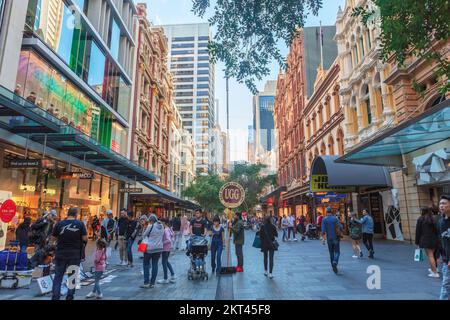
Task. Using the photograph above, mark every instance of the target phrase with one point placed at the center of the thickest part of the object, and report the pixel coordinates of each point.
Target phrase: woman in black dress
(268, 233)
(427, 238)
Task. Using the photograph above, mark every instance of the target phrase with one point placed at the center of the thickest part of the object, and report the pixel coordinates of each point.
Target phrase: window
(361, 44)
(184, 73)
(202, 71)
(184, 86)
(180, 52)
(202, 93)
(203, 38)
(185, 109)
(114, 39)
(367, 103)
(202, 79)
(182, 45)
(203, 65)
(184, 80)
(177, 101)
(188, 124)
(182, 66)
(203, 86)
(203, 58)
(203, 45)
(2, 9)
(180, 39)
(81, 4)
(183, 94)
(203, 52)
(182, 59)
(96, 68)
(202, 108)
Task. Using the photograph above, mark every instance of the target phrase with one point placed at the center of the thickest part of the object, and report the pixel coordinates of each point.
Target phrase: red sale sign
(7, 210)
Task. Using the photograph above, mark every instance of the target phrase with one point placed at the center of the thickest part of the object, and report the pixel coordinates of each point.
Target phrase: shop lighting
(27, 187)
(50, 191)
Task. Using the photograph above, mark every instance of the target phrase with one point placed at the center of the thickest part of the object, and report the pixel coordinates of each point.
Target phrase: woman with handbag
(268, 233)
(427, 238)
(153, 241)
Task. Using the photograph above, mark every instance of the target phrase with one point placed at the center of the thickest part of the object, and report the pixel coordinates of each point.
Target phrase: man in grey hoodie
(153, 235)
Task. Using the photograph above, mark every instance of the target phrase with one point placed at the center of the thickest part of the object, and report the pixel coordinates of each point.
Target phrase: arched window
(340, 141)
(323, 149)
(141, 157)
(331, 146)
(366, 104)
(328, 109)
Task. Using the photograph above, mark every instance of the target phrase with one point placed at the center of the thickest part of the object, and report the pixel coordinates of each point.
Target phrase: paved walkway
(302, 271)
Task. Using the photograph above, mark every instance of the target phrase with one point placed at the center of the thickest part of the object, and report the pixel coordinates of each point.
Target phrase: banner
(392, 216)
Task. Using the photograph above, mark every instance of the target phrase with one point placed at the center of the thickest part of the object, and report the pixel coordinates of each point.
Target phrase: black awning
(349, 175)
(299, 191)
(164, 193)
(275, 192)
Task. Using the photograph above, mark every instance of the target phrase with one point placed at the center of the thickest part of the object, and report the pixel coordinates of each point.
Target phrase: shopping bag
(142, 247)
(257, 241)
(418, 255)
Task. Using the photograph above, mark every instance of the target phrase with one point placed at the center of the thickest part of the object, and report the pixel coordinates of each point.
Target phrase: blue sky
(179, 11)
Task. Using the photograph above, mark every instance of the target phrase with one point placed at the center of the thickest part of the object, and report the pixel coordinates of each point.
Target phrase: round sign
(7, 210)
(232, 195)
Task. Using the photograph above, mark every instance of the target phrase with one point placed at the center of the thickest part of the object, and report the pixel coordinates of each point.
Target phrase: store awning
(20, 116)
(275, 192)
(302, 190)
(325, 172)
(387, 149)
(170, 196)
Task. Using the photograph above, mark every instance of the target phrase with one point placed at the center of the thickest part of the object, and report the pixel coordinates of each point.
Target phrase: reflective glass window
(114, 40)
(2, 8)
(96, 68)
(177, 39)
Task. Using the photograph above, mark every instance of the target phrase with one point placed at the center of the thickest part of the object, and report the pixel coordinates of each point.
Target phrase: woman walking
(268, 233)
(217, 244)
(355, 230)
(427, 238)
(184, 231)
(100, 258)
(154, 236)
(168, 240)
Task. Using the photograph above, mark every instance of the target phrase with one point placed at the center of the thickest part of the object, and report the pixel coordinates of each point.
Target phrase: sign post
(231, 195)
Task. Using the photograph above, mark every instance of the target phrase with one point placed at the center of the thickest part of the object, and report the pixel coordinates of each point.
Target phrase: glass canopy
(431, 127)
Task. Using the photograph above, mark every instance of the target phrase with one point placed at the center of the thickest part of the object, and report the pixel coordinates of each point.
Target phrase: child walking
(100, 266)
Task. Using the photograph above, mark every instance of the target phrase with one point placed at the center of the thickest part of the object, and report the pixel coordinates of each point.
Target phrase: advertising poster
(4, 195)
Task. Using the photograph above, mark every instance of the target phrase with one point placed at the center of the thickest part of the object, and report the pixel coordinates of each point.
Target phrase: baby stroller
(197, 251)
(312, 232)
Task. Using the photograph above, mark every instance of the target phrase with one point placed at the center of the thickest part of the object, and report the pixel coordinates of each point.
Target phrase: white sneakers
(354, 256)
(91, 295)
(163, 281)
(123, 263)
(173, 279)
(433, 274)
(270, 276)
(265, 273)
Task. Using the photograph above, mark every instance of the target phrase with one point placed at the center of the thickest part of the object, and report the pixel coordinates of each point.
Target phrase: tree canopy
(248, 32)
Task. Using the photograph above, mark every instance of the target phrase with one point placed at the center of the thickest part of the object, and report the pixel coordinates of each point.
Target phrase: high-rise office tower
(194, 85)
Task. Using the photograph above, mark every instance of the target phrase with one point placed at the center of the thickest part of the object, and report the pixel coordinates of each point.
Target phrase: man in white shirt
(291, 227)
(284, 227)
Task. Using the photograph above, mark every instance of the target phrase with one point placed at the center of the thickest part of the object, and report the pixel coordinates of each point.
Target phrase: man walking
(122, 229)
(176, 228)
(238, 239)
(130, 235)
(367, 229)
(71, 238)
(107, 227)
(291, 227)
(331, 232)
(284, 227)
(444, 232)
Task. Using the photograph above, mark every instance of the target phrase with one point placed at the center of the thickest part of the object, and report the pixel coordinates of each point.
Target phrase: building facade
(176, 131)
(71, 63)
(188, 172)
(194, 85)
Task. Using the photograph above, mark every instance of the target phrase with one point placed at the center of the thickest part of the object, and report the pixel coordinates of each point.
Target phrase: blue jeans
(129, 250)
(216, 255)
(239, 255)
(334, 249)
(154, 257)
(284, 234)
(23, 248)
(166, 264)
(61, 266)
(445, 289)
(98, 276)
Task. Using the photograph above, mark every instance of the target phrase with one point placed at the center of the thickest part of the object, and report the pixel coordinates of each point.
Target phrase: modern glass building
(194, 85)
(65, 99)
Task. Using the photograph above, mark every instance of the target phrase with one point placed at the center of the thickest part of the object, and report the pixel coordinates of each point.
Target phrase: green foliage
(248, 32)
(411, 27)
(205, 190)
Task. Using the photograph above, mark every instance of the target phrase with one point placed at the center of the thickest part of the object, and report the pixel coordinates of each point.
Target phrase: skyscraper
(194, 85)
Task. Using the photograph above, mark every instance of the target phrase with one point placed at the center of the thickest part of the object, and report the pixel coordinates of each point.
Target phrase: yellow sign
(319, 183)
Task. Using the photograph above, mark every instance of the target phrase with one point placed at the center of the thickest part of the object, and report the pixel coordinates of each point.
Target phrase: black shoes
(371, 255)
(335, 269)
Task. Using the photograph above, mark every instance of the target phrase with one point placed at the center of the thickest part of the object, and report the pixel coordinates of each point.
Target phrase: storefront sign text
(27, 187)
(23, 163)
(319, 183)
(232, 195)
(76, 175)
(131, 190)
(7, 210)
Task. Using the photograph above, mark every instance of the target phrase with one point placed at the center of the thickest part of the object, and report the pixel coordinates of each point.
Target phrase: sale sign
(7, 210)
(232, 195)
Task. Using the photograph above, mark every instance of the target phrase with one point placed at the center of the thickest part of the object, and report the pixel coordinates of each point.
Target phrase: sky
(179, 12)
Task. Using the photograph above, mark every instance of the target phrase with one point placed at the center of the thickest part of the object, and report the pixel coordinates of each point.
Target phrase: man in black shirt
(130, 236)
(198, 225)
(122, 228)
(71, 238)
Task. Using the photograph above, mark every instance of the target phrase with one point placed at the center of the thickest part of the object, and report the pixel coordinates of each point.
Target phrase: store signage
(7, 210)
(27, 187)
(232, 195)
(319, 183)
(18, 163)
(51, 192)
(131, 190)
(76, 175)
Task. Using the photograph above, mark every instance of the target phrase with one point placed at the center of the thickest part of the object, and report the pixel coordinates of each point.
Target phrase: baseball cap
(143, 217)
(153, 217)
(108, 212)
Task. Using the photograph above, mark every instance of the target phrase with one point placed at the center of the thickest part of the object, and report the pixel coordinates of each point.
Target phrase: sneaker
(270, 276)
(295, 239)
(360, 254)
(335, 269)
(354, 256)
(163, 281)
(434, 275)
(90, 295)
(173, 279)
(124, 264)
(265, 273)
(147, 286)
(100, 296)
(130, 265)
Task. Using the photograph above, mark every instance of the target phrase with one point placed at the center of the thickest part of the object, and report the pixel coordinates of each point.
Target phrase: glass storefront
(39, 189)
(2, 8)
(68, 36)
(43, 85)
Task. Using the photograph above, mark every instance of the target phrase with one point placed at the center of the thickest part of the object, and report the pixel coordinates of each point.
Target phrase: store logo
(374, 280)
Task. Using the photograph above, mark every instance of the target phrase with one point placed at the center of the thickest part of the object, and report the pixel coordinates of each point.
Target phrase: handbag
(257, 241)
(418, 255)
(143, 246)
(274, 243)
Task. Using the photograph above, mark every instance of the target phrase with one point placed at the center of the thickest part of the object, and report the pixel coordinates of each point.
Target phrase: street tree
(412, 28)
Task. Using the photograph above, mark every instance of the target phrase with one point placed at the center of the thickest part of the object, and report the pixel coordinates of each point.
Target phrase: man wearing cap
(331, 232)
(107, 226)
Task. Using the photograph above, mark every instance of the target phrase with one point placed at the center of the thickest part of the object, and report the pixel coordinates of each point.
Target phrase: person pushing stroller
(198, 231)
